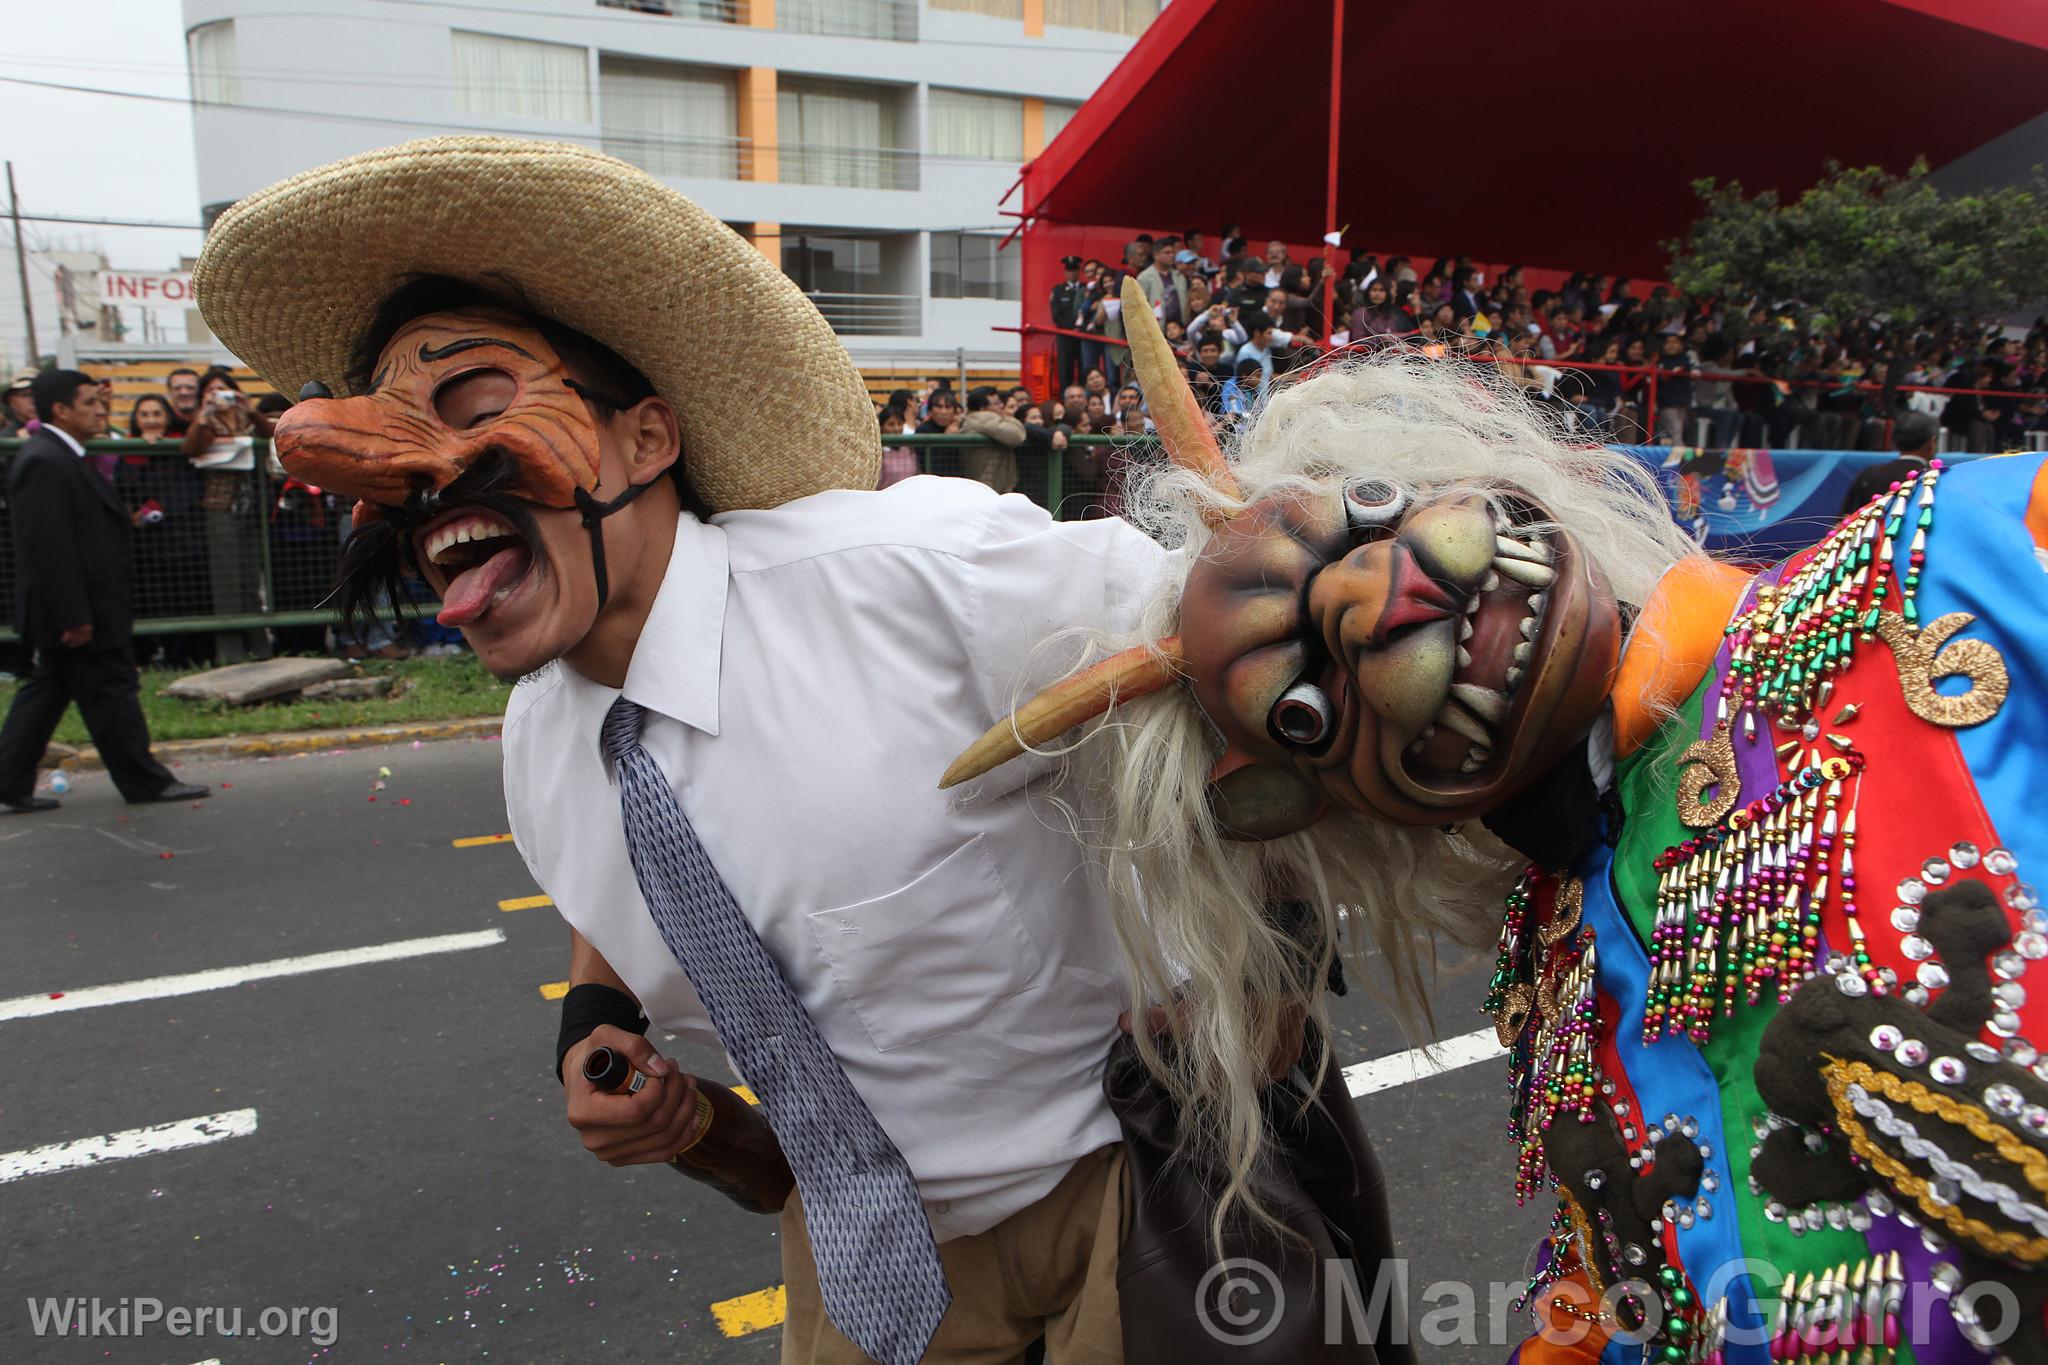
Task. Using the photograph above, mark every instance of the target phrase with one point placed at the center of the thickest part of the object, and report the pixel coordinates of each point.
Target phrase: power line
(649, 139)
(111, 222)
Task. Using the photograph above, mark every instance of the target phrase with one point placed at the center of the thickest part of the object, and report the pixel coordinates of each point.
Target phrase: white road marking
(132, 1142)
(1384, 1073)
(219, 978)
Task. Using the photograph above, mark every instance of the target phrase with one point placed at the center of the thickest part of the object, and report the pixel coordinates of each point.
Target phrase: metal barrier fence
(229, 561)
(228, 557)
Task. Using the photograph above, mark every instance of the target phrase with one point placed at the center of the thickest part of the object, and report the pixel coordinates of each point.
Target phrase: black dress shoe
(177, 791)
(29, 805)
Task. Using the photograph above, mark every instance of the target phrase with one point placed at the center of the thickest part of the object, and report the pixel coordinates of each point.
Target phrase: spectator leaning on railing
(993, 461)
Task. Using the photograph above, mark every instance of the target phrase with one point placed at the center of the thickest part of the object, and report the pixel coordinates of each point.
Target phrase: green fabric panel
(1648, 783)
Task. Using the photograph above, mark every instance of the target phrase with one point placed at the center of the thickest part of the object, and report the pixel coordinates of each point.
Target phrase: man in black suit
(71, 605)
(1069, 310)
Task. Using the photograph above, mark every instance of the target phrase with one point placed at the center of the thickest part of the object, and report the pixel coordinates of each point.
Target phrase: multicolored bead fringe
(1739, 906)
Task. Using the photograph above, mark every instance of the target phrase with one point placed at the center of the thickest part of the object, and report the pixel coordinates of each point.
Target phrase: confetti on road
(527, 903)
(554, 990)
(479, 840)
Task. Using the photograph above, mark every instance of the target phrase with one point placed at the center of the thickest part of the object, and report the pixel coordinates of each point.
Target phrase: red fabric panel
(1591, 190)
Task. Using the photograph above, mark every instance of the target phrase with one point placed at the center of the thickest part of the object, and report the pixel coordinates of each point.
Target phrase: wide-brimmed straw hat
(771, 406)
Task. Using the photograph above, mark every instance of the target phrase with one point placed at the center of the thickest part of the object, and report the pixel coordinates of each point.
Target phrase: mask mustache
(481, 486)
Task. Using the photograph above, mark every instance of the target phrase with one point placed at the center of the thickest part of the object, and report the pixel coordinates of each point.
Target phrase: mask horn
(1183, 427)
(1136, 672)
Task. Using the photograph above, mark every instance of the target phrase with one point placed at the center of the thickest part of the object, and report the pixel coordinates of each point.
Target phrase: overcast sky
(93, 156)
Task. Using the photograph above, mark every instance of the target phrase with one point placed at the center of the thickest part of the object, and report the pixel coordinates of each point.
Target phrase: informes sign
(145, 289)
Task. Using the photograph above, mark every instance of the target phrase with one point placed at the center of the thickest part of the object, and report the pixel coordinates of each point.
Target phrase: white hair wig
(1189, 903)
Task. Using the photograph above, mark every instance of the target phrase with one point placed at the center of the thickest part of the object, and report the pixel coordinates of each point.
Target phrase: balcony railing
(670, 154)
(872, 168)
(870, 315)
(889, 20)
(704, 11)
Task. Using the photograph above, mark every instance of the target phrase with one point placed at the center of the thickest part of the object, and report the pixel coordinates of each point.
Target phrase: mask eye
(1374, 505)
(1303, 716)
(474, 396)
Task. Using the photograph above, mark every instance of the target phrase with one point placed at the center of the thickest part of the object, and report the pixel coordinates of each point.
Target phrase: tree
(1864, 243)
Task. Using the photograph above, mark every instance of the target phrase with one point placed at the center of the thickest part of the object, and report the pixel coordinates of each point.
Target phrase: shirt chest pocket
(933, 957)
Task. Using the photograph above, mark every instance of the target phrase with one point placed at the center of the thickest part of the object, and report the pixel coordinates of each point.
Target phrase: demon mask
(1418, 655)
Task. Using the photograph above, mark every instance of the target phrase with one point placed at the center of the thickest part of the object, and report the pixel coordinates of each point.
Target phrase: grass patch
(452, 688)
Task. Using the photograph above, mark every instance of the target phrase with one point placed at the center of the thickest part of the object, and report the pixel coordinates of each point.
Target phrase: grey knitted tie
(878, 1267)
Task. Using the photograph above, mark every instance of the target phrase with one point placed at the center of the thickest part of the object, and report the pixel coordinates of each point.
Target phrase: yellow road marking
(526, 903)
(750, 1313)
(554, 990)
(749, 1096)
(478, 840)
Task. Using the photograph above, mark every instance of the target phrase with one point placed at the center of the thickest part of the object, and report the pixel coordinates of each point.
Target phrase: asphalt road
(384, 1139)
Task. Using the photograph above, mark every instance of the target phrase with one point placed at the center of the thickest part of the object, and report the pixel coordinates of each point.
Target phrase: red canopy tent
(1563, 136)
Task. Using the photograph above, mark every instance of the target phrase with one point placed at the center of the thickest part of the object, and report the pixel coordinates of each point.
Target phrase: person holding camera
(72, 607)
(222, 445)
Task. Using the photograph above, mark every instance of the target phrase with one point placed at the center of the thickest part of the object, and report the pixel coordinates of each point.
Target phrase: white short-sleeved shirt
(808, 673)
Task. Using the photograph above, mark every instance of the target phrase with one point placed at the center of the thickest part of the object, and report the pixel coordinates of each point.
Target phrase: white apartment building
(865, 144)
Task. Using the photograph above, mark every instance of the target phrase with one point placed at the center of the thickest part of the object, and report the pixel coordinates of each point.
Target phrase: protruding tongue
(469, 595)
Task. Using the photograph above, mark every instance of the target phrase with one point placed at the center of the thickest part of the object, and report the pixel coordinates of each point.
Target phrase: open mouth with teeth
(477, 560)
(1500, 629)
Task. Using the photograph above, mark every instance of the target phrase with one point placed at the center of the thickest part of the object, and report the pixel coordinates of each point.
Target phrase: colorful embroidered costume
(1782, 1021)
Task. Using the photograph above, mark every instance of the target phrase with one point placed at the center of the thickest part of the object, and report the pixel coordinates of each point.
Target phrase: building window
(705, 11)
(975, 265)
(215, 77)
(842, 133)
(985, 127)
(669, 118)
(846, 277)
(1058, 114)
(1132, 17)
(892, 20)
(520, 78)
(995, 9)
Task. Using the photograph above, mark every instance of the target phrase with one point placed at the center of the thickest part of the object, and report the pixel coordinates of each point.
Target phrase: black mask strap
(594, 513)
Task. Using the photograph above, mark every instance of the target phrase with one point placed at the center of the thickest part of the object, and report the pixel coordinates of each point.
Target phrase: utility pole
(28, 312)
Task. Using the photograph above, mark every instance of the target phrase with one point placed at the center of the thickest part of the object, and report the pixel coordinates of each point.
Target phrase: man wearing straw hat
(563, 394)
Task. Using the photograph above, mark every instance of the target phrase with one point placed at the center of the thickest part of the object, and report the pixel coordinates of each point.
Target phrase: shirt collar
(675, 666)
(66, 437)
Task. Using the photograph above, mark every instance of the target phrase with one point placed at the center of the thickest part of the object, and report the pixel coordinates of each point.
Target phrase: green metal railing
(285, 540)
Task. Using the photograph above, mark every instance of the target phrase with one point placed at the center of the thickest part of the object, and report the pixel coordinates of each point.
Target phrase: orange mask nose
(364, 447)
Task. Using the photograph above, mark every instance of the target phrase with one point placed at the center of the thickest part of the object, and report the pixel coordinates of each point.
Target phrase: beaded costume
(1781, 1010)
(1765, 983)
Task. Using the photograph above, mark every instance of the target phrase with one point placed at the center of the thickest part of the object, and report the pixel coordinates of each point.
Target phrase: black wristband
(587, 1008)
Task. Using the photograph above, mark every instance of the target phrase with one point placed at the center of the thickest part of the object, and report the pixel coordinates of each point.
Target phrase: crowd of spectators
(202, 517)
(1726, 373)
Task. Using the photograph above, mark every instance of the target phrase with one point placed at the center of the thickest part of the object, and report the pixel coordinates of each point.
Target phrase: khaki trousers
(1049, 1270)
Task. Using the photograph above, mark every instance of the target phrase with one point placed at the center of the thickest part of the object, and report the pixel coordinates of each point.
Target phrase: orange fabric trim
(2037, 508)
(1673, 645)
(1562, 1338)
